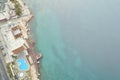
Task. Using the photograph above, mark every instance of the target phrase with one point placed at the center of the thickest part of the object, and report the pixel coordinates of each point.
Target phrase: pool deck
(22, 62)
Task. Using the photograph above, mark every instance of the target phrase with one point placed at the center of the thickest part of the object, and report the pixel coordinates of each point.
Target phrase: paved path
(3, 73)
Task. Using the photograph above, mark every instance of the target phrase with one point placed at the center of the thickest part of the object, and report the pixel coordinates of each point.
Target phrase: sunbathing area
(20, 66)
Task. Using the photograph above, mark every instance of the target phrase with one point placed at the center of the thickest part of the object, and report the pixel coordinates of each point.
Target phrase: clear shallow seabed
(79, 39)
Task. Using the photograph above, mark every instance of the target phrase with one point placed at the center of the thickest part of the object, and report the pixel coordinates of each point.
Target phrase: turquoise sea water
(79, 39)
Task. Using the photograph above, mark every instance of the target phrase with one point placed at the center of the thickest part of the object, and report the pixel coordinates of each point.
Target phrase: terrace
(20, 66)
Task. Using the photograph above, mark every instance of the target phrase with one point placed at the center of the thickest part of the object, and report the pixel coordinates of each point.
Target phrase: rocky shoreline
(32, 53)
(18, 44)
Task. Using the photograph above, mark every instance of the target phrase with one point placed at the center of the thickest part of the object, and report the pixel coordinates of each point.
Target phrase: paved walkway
(3, 72)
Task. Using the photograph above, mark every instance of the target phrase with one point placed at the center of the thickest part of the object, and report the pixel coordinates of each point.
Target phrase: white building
(14, 39)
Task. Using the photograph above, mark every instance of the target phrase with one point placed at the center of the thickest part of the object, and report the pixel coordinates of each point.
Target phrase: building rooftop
(16, 31)
(11, 41)
(2, 16)
(18, 50)
(2, 4)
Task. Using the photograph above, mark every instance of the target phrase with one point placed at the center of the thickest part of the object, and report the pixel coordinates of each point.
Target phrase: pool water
(22, 64)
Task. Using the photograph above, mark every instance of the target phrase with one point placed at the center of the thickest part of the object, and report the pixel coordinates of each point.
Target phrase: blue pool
(22, 64)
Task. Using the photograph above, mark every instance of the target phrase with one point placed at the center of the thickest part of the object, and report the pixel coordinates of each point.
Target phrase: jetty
(35, 57)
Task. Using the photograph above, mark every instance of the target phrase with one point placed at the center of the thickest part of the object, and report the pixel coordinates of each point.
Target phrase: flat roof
(18, 50)
(17, 31)
(2, 16)
(2, 4)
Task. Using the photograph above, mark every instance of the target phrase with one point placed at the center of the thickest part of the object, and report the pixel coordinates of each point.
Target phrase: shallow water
(79, 39)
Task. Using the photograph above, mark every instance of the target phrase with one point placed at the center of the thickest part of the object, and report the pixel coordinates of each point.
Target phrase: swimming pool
(22, 64)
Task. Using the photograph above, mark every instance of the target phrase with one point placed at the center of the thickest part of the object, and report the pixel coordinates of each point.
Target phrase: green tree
(18, 9)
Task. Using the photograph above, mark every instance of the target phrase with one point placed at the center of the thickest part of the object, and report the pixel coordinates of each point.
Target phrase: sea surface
(79, 39)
